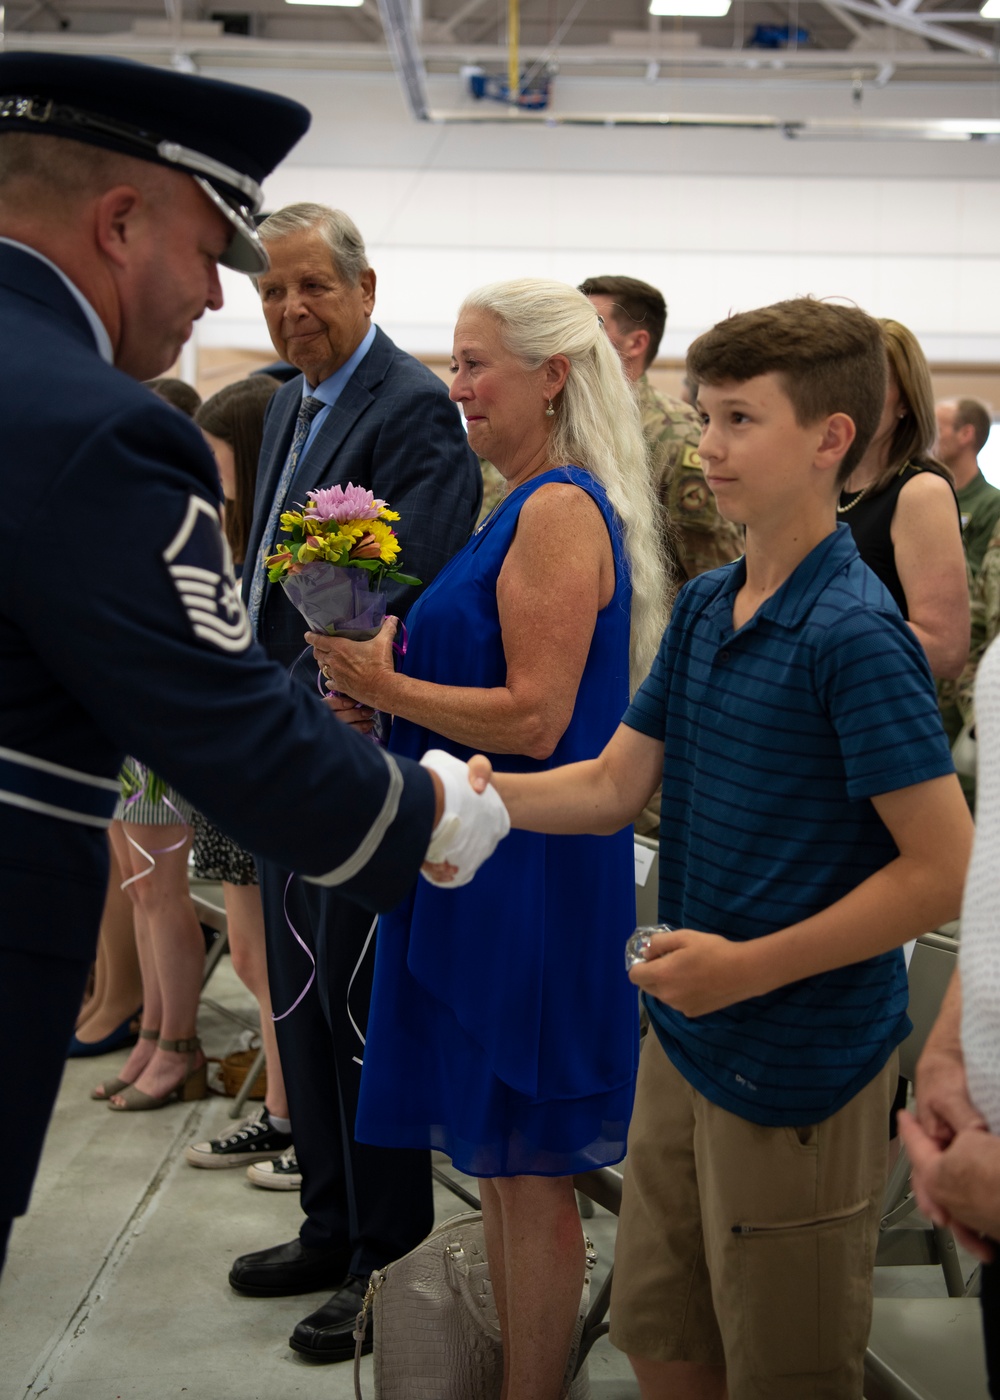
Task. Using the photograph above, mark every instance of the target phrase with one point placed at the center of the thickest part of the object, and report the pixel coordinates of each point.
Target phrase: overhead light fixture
(337, 4)
(991, 10)
(707, 9)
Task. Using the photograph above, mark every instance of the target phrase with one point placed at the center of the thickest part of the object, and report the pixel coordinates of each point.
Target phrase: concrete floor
(115, 1286)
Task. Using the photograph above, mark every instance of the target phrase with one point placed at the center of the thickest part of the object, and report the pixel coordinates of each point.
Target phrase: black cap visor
(245, 252)
(234, 194)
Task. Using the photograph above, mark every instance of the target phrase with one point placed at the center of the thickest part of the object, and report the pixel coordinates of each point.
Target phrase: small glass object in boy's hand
(640, 942)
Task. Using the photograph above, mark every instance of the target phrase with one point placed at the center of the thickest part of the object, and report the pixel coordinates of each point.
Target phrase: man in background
(697, 537)
(635, 317)
(963, 427)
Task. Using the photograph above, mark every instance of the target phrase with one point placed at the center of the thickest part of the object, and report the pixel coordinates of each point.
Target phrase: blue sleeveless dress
(503, 1029)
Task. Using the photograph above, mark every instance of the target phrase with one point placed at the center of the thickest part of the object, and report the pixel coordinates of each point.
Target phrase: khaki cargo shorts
(746, 1246)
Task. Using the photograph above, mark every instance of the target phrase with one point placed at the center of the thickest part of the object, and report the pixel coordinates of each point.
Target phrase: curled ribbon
(305, 949)
(158, 850)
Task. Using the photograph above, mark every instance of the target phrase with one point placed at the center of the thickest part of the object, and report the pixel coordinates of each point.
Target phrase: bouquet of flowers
(341, 549)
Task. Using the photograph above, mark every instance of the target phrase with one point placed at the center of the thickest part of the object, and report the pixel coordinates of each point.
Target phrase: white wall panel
(719, 220)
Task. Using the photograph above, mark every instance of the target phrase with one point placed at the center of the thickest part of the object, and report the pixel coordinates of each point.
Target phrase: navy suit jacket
(394, 431)
(121, 631)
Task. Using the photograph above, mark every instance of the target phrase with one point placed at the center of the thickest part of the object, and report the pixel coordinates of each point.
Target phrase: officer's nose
(215, 298)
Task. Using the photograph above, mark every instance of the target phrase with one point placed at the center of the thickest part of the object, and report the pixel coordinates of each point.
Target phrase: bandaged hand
(471, 827)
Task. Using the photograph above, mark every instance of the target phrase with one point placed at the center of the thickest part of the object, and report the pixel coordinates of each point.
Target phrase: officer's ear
(638, 344)
(119, 213)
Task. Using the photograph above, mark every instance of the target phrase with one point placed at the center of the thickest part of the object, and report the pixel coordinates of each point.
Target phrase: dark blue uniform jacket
(121, 631)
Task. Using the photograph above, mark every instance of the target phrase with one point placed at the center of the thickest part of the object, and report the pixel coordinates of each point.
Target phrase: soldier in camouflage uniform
(702, 539)
(635, 315)
(955, 697)
(698, 539)
(494, 487)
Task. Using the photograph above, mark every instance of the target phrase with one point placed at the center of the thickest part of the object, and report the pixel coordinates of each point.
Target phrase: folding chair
(901, 1239)
(924, 1348)
(212, 913)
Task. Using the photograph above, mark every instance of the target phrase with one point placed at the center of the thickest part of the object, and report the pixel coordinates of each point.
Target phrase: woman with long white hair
(503, 1029)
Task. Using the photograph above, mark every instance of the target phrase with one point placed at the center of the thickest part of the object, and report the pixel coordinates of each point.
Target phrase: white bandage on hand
(473, 824)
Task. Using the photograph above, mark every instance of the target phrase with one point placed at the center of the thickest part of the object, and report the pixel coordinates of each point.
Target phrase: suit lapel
(319, 467)
(279, 426)
(320, 462)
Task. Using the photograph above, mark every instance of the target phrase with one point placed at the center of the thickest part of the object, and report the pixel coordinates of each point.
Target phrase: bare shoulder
(927, 486)
(560, 502)
(929, 497)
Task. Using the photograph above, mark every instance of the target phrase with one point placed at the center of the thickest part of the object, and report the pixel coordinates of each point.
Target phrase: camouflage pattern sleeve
(703, 540)
(494, 487)
(955, 697)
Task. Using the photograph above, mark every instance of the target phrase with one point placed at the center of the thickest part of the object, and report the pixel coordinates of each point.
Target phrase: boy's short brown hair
(829, 358)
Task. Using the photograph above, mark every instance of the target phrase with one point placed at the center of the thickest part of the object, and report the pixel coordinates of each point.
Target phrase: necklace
(842, 510)
(501, 500)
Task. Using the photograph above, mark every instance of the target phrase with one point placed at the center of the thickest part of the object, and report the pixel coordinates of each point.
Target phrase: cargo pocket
(805, 1292)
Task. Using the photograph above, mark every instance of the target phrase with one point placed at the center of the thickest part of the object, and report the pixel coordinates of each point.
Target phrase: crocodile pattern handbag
(437, 1335)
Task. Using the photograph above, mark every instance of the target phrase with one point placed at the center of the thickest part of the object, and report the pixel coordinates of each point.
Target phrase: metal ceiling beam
(366, 17)
(449, 26)
(397, 22)
(936, 33)
(841, 15)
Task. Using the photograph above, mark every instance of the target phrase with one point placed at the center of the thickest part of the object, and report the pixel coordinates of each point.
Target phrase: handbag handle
(458, 1271)
(361, 1326)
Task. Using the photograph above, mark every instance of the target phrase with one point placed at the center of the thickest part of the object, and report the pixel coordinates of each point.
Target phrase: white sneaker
(280, 1175)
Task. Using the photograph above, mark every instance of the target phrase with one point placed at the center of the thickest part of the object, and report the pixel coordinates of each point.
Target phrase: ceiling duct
(397, 23)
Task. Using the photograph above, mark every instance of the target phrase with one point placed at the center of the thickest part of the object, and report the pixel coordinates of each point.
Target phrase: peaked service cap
(227, 137)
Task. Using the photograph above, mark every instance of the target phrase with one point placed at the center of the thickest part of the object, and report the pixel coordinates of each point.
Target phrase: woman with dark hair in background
(233, 424)
(900, 504)
(110, 1015)
(901, 507)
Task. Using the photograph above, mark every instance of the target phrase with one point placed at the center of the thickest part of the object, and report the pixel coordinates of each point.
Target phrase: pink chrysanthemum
(343, 504)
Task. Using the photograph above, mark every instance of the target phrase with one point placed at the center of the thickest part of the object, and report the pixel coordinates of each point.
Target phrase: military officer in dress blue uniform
(122, 189)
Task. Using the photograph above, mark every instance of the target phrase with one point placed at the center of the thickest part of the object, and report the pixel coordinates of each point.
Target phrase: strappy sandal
(194, 1084)
(104, 1091)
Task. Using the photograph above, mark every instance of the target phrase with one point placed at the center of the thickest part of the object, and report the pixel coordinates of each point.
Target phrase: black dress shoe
(287, 1269)
(328, 1333)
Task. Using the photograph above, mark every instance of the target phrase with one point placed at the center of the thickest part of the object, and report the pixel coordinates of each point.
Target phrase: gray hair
(338, 231)
(597, 426)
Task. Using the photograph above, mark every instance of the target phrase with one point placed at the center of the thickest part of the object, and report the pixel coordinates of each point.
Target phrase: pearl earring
(550, 411)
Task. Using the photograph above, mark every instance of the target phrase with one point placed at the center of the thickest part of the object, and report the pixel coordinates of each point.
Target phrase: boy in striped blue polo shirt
(811, 824)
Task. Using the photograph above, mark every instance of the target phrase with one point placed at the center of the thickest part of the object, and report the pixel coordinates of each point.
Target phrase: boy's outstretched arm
(918, 890)
(598, 797)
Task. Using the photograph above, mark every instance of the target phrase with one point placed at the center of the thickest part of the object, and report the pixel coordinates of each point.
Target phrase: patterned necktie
(308, 409)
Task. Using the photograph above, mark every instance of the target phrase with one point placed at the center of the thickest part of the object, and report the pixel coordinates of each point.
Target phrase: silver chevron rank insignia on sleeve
(201, 566)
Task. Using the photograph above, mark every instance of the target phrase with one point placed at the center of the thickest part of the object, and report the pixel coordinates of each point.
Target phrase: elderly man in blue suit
(364, 412)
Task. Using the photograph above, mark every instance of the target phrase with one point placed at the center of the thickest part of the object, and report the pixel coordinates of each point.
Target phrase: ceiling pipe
(397, 23)
(242, 52)
(513, 50)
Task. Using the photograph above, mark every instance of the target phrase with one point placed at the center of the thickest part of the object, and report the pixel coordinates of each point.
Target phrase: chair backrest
(647, 863)
(935, 958)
